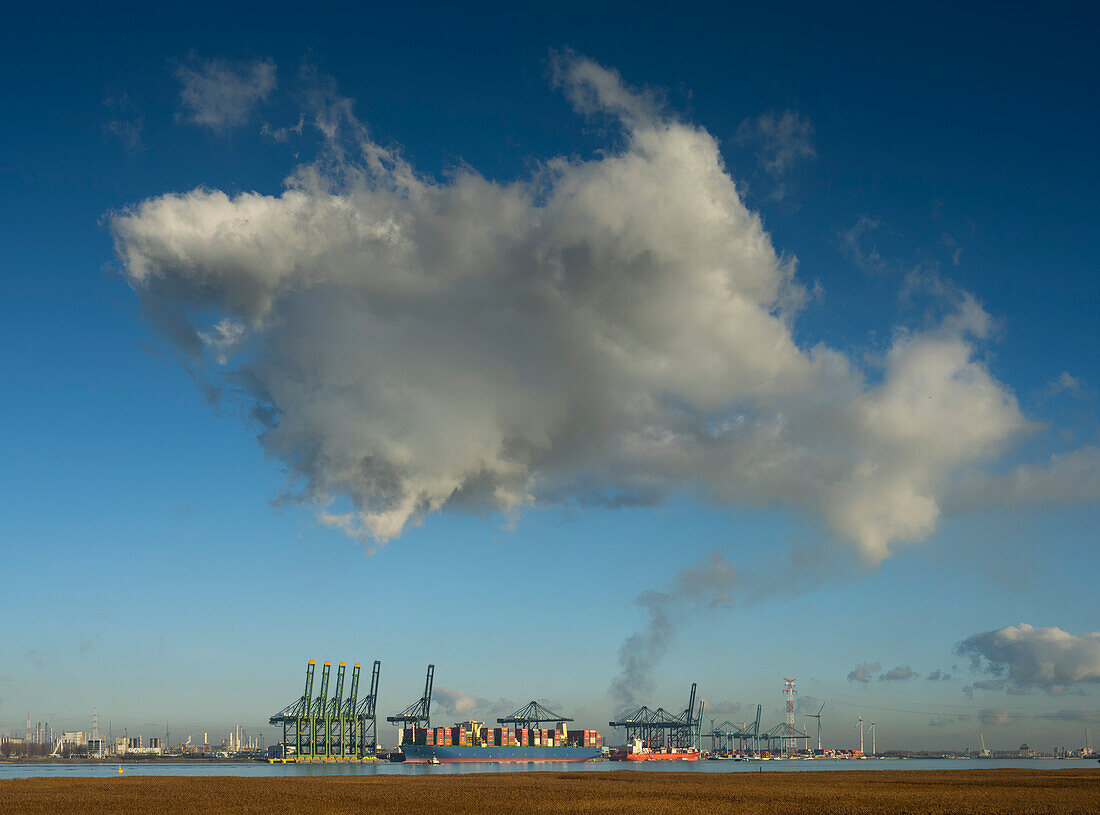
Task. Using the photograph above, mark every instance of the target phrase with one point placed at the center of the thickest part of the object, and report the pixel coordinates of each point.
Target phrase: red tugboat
(636, 751)
(658, 735)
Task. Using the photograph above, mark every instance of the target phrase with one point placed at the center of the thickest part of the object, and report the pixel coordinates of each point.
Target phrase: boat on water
(636, 751)
(485, 754)
(471, 742)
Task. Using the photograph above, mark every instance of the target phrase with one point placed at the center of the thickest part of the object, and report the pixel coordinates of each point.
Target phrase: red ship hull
(646, 755)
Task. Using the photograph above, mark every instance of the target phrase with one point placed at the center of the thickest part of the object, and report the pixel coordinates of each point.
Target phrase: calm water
(256, 769)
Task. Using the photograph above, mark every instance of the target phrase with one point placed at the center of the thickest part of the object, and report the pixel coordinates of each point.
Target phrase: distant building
(77, 738)
(1026, 751)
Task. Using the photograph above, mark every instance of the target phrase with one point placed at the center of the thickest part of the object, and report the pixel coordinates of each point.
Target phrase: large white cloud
(1028, 656)
(615, 329)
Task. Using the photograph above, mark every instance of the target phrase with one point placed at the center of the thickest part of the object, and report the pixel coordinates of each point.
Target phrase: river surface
(264, 770)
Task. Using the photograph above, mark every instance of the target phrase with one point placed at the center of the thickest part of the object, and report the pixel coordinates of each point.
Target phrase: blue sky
(933, 172)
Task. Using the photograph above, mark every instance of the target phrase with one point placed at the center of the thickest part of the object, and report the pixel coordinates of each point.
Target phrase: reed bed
(974, 792)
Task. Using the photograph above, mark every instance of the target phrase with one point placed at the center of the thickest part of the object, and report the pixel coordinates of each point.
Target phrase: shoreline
(129, 760)
(978, 791)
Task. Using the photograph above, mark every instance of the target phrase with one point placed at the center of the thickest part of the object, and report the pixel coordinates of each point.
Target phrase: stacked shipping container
(459, 736)
(585, 738)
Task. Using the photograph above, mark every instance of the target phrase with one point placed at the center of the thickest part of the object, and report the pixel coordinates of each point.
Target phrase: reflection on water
(258, 770)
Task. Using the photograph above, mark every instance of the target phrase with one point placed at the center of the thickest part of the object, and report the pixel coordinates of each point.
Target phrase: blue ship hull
(422, 753)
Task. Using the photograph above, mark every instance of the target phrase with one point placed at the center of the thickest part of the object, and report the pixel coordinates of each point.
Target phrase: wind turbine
(859, 724)
(874, 750)
(818, 717)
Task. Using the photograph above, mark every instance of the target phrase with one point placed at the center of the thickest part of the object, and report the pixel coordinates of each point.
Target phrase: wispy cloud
(36, 657)
(994, 717)
(221, 95)
(947, 721)
(1082, 715)
(721, 708)
(952, 246)
(126, 123)
(983, 685)
(714, 583)
(782, 141)
(1063, 383)
(708, 585)
(858, 246)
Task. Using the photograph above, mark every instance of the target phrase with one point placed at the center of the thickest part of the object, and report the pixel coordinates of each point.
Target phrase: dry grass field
(1043, 792)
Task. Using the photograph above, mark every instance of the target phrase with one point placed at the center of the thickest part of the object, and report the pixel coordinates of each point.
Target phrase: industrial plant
(42, 741)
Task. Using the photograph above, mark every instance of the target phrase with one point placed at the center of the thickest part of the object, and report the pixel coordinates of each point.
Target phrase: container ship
(473, 742)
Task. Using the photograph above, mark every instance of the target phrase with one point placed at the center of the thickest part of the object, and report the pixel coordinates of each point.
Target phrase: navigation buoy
(120, 769)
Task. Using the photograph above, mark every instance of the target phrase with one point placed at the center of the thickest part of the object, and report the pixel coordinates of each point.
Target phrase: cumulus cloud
(1023, 656)
(938, 676)
(782, 140)
(614, 330)
(221, 95)
(1063, 479)
(900, 673)
(863, 671)
(461, 704)
(456, 702)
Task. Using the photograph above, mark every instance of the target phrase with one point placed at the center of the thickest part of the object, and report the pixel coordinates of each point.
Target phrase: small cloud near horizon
(863, 671)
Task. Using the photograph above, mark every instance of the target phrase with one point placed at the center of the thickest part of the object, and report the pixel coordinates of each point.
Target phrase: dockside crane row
(727, 733)
(659, 728)
(322, 728)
